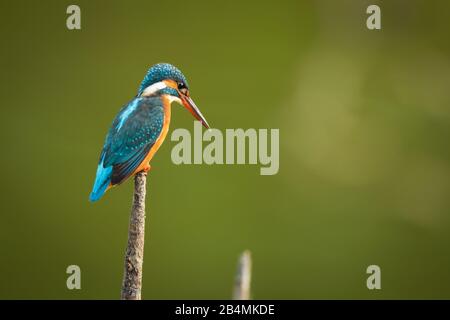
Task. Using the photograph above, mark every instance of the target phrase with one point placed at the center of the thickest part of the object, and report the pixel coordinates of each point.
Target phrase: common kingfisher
(140, 127)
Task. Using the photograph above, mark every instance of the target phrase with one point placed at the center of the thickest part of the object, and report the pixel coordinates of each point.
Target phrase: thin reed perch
(243, 277)
(134, 256)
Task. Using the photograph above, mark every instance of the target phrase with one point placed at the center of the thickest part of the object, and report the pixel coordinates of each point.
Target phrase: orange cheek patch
(171, 84)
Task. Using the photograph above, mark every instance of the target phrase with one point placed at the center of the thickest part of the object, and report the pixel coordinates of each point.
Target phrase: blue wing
(133, 133)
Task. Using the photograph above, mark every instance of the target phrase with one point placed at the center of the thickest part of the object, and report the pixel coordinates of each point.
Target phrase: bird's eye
(182, 87)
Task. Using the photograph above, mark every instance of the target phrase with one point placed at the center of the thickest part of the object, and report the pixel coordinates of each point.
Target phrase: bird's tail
(102, 181)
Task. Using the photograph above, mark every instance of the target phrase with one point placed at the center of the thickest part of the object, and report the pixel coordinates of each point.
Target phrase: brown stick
(243, 277)
(134, 256)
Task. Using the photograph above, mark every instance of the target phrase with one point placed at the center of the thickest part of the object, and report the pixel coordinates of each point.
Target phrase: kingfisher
(141, 126)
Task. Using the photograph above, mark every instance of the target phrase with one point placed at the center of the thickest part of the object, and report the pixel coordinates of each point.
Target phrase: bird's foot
(147, 168)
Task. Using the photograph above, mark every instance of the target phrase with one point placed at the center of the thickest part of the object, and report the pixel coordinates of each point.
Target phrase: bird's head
(165, 79)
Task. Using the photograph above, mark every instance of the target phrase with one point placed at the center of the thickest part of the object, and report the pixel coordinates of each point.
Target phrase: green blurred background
(364, 119)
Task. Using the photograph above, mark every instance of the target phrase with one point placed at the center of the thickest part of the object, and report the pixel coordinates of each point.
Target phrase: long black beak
(190, 105)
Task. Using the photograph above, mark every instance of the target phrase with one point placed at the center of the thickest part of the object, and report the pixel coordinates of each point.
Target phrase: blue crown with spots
(160, 72)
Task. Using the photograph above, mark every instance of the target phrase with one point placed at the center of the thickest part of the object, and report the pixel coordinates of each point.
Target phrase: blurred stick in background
(134, 256)
(243, 277)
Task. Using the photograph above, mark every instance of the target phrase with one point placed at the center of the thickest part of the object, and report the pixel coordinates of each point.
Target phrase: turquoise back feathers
(131, 136)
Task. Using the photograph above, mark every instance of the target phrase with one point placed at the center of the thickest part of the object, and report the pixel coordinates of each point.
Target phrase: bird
(141, 126)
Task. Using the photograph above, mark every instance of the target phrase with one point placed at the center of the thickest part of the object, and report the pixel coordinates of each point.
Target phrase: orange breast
(160, 140)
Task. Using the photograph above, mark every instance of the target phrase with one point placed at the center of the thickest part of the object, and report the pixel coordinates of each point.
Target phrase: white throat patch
(172, 99)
